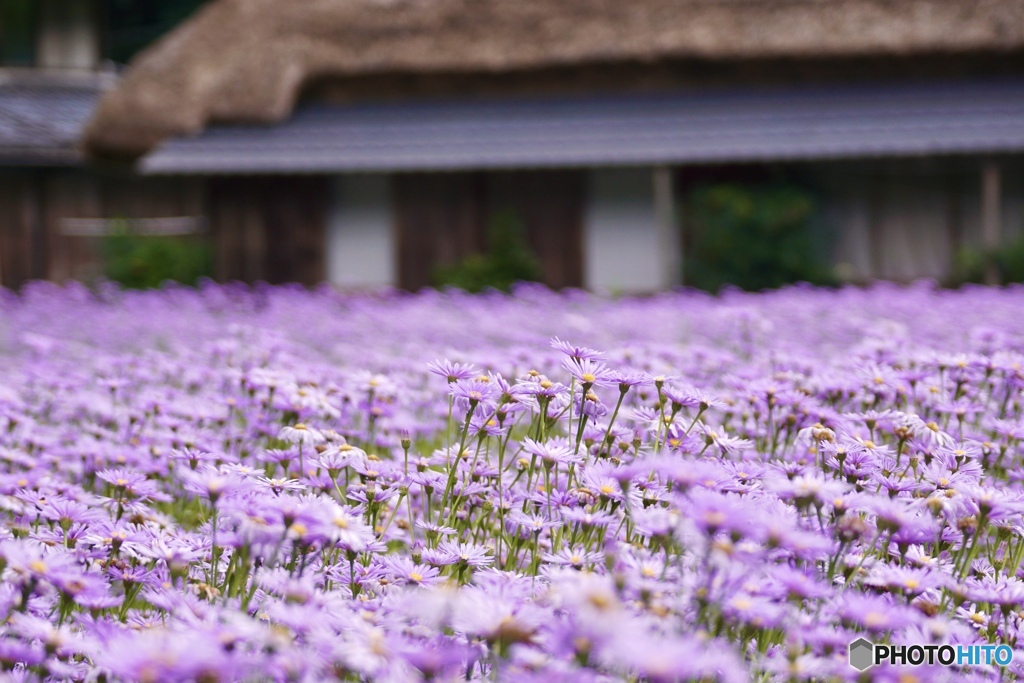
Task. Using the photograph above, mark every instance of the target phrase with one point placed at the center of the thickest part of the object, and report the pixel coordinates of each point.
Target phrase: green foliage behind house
(508, 260)
(146, 262)
(753, 237)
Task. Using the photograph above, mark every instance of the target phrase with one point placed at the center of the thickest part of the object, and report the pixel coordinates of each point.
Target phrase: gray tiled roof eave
(42, 117)
(803, 122)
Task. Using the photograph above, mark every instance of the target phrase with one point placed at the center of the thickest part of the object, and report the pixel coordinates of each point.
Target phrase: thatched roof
(247, 60)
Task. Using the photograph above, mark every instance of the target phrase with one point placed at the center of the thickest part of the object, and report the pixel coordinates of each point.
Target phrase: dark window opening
(17, 32)
(132, 25)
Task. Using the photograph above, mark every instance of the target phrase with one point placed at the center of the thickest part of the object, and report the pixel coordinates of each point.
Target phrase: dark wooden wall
(269, 228)
(663, 74)
(551, 205)
(444, 217)
(22, 232)
(439, 221)
(261, 228)
(273, 228)
(36, 205)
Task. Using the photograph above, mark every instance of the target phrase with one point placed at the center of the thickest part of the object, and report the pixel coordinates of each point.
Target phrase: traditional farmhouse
(369, 142)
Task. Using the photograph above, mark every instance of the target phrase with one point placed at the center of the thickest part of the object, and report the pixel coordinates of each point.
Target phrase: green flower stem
(623, 389)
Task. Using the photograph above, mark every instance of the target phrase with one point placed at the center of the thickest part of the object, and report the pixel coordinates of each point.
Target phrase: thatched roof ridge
(247, 60)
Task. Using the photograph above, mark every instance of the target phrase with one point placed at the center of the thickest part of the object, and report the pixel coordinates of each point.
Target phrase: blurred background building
(57, 57)
(629, 146)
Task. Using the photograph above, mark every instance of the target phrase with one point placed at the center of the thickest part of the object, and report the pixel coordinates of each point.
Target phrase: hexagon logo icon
(862, 654)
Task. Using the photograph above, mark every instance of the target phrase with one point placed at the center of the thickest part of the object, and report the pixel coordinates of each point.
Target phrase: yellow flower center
(875, 619)
(715, 518)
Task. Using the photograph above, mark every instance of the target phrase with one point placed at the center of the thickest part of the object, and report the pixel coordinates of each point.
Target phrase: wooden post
(668, 228)
(876, 229)
(991, 218)
(68, 34)
(39, 252)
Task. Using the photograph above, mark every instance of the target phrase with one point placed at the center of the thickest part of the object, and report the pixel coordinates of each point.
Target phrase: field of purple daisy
(275, 484)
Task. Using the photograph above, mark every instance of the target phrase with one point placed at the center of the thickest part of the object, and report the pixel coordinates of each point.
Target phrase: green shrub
(971, 263)
(752, 237)
(508, 260)
(146, 262)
